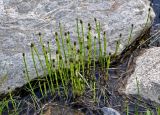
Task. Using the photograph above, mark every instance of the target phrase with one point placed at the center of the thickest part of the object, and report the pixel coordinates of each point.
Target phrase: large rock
(19, 19)
(145, 80)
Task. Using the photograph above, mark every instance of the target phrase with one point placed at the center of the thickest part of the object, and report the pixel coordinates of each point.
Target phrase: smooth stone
(146, 76)
(21, 20)
(109, 111)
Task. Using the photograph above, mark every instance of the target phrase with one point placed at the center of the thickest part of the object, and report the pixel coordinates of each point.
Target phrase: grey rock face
(146, 77)
(20, 20)
(109, 111)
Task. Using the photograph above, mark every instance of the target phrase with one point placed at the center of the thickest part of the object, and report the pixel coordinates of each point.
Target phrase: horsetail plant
(13, 103)
(82, 50)
(78, 33)
(89, 45)
(72, 74)
(130, 34)
(94, 55)
(158, 110)
(40, 61)
(58, 43)
(55, 72)
(62, 38)
(98, 30)
(108, 65)
(62, 76)
(69, 47)
(34, 62)
(117, 46)
(45, 89)
(27, 77)
(47, 62)
(83, 42)
(105, 47)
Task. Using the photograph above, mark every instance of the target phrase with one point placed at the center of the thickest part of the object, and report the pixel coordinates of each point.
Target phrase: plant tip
(89, 28)
(120, 35)
(56, 33)
(65, 33)
(67, 40)
(39, 33)
(71, 60)
(60, 57)
(57, 52)
(149, 9)
(78, 51)
(87, 37)
(23, 54)
(95, 19)
(32, 45)
(81, 21)
(87, 47)
(132, 25)
(53, 60)
(89, 24)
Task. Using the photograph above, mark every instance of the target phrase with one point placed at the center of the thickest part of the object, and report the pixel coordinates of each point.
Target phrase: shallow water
(156, 7)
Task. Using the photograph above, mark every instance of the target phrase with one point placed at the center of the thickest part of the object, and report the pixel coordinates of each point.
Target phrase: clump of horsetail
(34, 62)
(77, 65)
(41, 64)
(60, 62)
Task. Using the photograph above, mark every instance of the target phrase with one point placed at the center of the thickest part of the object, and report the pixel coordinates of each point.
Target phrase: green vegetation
(73, 70)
